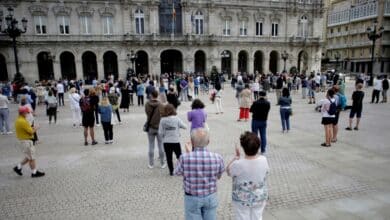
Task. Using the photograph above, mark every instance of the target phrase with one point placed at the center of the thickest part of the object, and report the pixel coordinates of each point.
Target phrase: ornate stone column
(100, 68)
(251, 65)
(155, 66)
(57, 68)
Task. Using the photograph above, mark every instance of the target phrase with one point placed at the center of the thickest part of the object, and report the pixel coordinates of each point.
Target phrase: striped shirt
(200, 170)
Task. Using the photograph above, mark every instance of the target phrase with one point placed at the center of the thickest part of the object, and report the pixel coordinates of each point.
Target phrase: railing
(161, 38)
(359, 12)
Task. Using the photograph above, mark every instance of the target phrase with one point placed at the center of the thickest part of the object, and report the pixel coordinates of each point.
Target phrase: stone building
(94, 38)
(347, 36)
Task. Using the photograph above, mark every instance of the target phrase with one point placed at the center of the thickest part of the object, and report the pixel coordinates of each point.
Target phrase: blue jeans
(201, 208)
(260, 126)
(4, 120)
(285, 117)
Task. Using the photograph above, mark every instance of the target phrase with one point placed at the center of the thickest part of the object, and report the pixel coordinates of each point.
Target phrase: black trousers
(117, 114)
(375, 95)
(97, 115)
(61, 99)
(107, 129)
(140, 100)
(169, 149)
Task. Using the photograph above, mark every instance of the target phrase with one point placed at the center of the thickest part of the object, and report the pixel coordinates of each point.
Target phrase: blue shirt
(105, 113)
(140, 89)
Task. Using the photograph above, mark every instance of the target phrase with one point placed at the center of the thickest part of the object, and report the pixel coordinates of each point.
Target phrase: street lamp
(373, 35)
(13, 31)
(284, 57)
(337, 56)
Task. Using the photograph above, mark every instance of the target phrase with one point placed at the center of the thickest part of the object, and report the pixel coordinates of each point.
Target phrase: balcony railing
(150, 38)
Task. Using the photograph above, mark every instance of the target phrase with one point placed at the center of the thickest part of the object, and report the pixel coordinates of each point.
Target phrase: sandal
(348, 129)
(334, 140)
(325, 145)
(355, 128)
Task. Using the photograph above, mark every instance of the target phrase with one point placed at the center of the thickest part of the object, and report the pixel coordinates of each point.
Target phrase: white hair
(200, 137)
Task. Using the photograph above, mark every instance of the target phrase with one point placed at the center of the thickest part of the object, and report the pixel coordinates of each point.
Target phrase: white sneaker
(111, 141)
(164, 166)
(150, 166)
(9, 132)
(97, 125)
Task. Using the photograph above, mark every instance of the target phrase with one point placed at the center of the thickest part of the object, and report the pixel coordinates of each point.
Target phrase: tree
(293, 70)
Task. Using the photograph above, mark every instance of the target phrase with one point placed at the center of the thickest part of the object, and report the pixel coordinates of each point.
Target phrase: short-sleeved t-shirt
(249, 181)
(357, 100)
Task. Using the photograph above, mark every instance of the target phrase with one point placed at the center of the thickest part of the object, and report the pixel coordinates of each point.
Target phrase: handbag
(146, 125)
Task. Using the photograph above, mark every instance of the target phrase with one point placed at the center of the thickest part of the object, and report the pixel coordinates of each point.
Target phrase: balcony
(154, 39)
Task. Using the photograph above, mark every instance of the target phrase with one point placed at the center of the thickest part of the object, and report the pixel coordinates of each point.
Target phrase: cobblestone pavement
(350, 180)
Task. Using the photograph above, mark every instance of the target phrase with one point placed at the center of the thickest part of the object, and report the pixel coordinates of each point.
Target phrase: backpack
(85, 104)
(332, 108)
(342, 101)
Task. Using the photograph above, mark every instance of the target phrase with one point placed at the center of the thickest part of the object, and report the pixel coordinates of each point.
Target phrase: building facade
(347, 36)
(91, 39)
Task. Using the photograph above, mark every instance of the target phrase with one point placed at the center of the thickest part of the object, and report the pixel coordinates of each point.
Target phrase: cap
(24, 109)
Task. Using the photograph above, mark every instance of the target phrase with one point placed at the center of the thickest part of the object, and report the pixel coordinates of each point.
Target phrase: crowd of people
(102, 102)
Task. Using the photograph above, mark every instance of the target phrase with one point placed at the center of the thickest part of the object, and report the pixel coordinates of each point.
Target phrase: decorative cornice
(226, 14)
(38, 10)
(243, 15)
(107, 10)
(62, 10)
(84, 9)
(275, 16)
(259, 16)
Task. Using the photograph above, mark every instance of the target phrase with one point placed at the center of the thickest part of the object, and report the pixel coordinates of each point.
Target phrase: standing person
(51, 107)
(153, 109)
(328, 111)
(162, 91)
(60, 93)
(88, 117)
(218, 98)
(239, 87)
(149, 89)
(113, 97)
(335, 127)
(285, 109)
(304, 83)
(377, 90)
(357, 107)
(255, 89)
(140, 93)
(200, 169)
(250, 191)
(183, 90)
(95, 103)
(245, 103)
(196, 86)
(385, 87)
(131, 89)
(191, 88)
(197, 116)
(169, 130)
(125, 101)
(74, 99)
(279, 87)
(25, 134)
(260, 110)
(105, 110)
(4, 114)
(311, 86)
(172, 97)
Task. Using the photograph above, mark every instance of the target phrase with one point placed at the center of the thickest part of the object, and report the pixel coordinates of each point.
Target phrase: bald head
(200, 137)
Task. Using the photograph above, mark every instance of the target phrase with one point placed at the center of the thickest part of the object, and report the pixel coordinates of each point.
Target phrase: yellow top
(24, 131)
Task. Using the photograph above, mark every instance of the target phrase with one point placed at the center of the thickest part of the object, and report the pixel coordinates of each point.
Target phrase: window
(139, 21)
(63, 24)
(259, 28)
(346, 28)
(226, 30)
(108, 25)
(303, 27)
(85, 24)
(198, 22)
(243, 29)
(274, 29)
(331, 30)
(40, 24)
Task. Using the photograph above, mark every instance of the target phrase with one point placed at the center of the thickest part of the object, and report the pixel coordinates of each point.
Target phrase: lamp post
(225, 55)
(373, 35)
(337, 56)
(284, 57)
(13, 31)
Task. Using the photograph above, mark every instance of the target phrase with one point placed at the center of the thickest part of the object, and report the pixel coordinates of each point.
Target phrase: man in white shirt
(60, 92)
(377, 90)
(4, 114)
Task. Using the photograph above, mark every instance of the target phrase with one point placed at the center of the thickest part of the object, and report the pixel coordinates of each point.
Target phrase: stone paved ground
(350, 180)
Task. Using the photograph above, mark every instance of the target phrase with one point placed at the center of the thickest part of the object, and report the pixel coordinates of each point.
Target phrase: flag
(173, 11)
